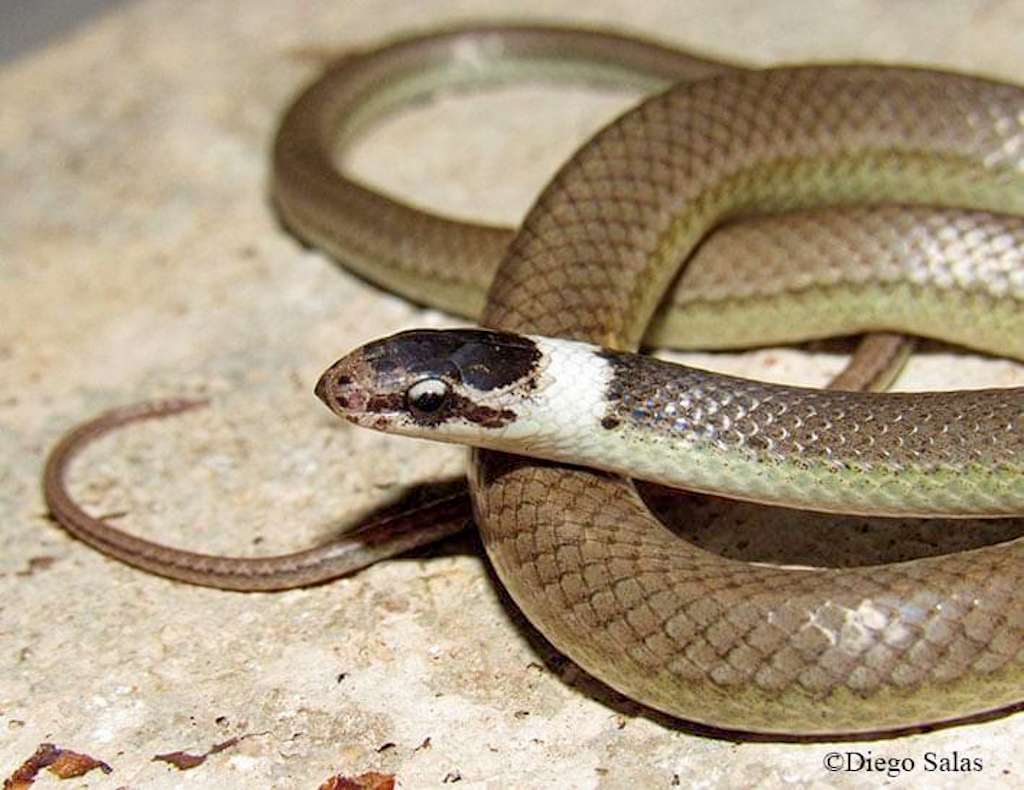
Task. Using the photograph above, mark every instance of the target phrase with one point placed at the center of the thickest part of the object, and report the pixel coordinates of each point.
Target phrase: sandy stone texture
(139, 257)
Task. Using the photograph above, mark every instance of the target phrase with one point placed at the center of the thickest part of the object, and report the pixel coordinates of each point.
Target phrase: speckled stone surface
(139, 257)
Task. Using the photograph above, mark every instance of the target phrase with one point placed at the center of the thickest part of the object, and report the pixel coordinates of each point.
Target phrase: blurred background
(26, 24)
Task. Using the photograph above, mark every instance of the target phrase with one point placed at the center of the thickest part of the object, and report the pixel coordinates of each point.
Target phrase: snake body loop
(807, 274)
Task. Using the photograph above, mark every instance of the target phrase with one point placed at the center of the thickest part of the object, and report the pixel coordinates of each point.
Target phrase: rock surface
(139, 257)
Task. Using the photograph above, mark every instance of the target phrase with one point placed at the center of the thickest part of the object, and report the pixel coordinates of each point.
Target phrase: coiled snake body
(705, 638)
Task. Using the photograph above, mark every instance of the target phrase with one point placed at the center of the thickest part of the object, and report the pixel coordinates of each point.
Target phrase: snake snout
(339, 389)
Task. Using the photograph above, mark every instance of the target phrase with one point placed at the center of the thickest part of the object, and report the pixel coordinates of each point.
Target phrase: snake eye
(427, 397)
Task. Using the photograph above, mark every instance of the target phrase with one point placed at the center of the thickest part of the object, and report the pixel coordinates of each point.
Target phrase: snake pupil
(429, 402)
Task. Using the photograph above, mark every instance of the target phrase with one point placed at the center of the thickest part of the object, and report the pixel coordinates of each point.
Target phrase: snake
(805, 200)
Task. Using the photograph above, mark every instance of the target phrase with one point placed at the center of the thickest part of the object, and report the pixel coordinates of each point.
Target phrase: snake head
(417, 382)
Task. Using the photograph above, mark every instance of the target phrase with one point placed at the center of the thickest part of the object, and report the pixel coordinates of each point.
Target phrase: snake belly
(699, 636)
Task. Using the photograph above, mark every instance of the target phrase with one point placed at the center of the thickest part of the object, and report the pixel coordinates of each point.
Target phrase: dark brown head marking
(428, 377)
(480, 414)
(483, 360)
